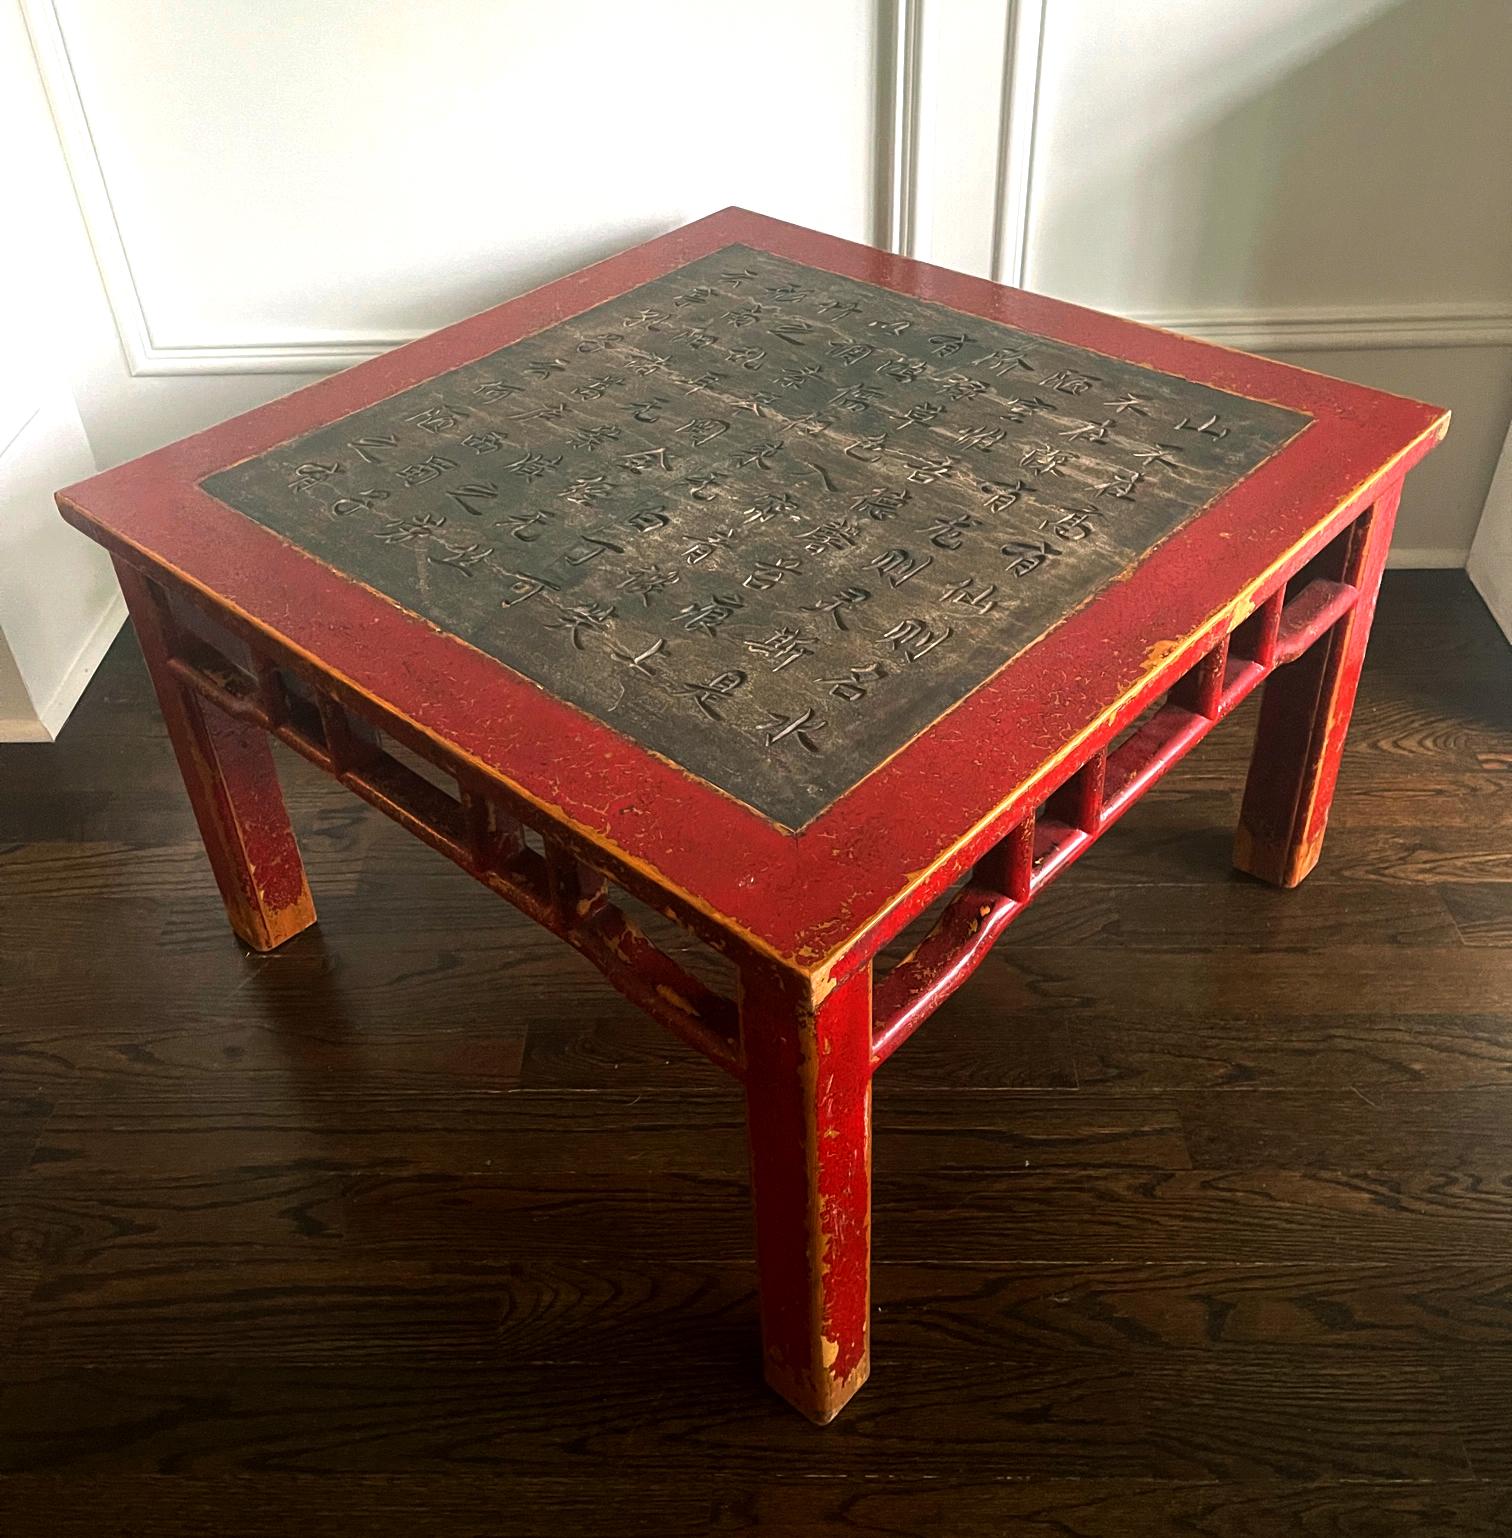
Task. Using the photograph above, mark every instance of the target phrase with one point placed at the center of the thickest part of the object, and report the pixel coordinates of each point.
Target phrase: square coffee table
(785, 585)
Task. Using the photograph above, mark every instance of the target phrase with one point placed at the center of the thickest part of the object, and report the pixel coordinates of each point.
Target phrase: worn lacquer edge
(553, 812)
(803, 950)
(825, 971)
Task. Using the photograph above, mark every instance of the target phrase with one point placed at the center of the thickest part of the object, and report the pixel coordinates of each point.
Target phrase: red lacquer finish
(1304, 716)
(248, 636)
(1041, 846)
(817, 899)
(233, 787)
(808, 1107)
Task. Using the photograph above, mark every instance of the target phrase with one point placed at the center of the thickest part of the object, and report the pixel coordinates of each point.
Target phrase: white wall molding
(921, 45)
(1275, 330)
(107, 244)
(1343, 328)
(957, 99)
(321, 351)
(66, 104)
(1022, 68)
(310, 354)
(900, 33)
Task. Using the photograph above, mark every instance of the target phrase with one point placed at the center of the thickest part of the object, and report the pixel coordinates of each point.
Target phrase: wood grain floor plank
(1482, 912)
(1089, 1214)
(327, 1305)
(1393, 1049)
(99, 1131)
(374, 1006)
(1179, 1419)
(1384, 1129)
(1192, 1207)
(981, 1214)
(1236, 912)
(614, 1505)
(1482, 1392)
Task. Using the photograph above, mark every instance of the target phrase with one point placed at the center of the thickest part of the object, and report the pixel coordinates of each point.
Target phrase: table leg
(1304, 715)
(233, 787)
(808, 1114)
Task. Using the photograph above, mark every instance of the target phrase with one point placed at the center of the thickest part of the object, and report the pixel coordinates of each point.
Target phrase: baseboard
(22, 729)
(1425, 558)
(1342, 328)
(55, 712)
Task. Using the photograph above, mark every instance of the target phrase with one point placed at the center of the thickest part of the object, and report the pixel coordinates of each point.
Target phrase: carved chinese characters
(766, 521)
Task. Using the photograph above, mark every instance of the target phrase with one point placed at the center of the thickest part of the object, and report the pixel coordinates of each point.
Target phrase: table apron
(564, 885)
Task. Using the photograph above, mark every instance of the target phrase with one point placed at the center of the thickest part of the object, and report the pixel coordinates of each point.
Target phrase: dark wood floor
(1193, 1209)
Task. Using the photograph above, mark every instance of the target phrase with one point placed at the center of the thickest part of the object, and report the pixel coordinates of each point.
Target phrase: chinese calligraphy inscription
(766, 521)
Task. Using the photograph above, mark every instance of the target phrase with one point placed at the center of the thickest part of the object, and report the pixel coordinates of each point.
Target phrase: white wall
(273, 191)
(320, 179)
(59, 606)
(59, 602)
(1328, 181)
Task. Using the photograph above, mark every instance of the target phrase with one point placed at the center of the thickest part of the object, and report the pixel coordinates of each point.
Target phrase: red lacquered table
(783, 584)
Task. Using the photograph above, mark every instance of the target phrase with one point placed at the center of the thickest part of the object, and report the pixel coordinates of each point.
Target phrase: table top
(770, 562)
